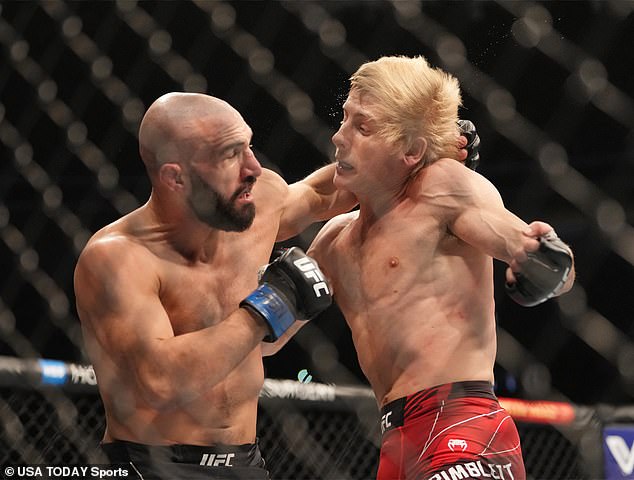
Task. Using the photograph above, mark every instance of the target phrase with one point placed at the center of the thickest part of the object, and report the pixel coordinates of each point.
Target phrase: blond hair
(413, 99)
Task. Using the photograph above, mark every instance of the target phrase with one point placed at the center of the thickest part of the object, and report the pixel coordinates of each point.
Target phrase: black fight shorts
(188, 462)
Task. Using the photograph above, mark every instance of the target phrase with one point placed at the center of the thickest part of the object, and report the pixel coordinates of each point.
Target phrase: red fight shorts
(449, 432)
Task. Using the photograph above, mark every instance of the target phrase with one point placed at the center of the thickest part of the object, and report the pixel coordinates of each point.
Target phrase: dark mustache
(248, 182)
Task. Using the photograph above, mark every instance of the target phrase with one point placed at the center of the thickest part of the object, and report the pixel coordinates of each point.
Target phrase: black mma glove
(291, 287)
(468, 130)
(543, 273)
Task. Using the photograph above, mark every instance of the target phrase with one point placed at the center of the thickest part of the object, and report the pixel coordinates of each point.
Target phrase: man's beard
(217, 212)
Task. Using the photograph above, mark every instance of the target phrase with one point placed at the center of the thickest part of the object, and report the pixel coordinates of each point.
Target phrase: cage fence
(548, 85)
(306, 431)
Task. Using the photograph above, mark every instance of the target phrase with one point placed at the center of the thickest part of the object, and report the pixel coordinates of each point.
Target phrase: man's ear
(415, 152)
(170, 174)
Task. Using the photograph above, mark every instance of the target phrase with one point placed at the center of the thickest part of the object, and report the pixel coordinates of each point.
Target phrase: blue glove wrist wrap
(269, 304)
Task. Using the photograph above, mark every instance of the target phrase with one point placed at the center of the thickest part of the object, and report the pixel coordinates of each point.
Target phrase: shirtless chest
(199, 295)
(406, 290)
(377, 264)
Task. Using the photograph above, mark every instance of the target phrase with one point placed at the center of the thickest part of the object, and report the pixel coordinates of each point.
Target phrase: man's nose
(337, 138)
(251, 165)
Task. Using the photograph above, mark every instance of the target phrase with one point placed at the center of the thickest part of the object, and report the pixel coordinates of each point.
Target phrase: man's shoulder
(112, 247)
(111, 240)
(448, 168)
(446, 175)
(330, 232)
(272, 179)
(339, 222)
(270, 188)
(448, 183)
(344, 219)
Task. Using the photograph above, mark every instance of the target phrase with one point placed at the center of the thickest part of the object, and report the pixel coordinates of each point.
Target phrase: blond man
(412, 272)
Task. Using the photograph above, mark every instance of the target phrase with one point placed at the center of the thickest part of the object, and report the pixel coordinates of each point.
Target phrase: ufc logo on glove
(290, 287)
(310, 271)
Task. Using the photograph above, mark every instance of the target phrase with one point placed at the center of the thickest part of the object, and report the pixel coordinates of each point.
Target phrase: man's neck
(377, 202)
(184, 234)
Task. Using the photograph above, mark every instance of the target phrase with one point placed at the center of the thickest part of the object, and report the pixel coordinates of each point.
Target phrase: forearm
(269, 349)
(498, 234)
(333, 201)
(321, 180)
(178, 369)
(311, 200)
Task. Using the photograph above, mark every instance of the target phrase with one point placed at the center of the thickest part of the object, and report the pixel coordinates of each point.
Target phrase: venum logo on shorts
(457, 444)
(475, 470)
(217, 459)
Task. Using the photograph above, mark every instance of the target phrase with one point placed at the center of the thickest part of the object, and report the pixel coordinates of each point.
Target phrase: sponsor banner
(298, 391)
(535, 411)
(618, 452)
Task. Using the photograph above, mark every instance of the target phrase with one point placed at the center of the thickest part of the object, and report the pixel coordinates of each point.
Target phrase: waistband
(219, 455)
(394, 413)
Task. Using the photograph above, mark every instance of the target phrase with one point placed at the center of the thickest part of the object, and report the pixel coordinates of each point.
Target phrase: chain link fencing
(306, 431)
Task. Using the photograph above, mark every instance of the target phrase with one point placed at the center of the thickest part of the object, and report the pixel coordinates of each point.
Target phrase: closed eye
(364, 129)
(236, 150)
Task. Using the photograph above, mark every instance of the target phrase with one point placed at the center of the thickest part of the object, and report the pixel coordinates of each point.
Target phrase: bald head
(174, 122)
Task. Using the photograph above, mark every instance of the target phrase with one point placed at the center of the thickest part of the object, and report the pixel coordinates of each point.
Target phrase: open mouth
(245, 194)
(341, 165)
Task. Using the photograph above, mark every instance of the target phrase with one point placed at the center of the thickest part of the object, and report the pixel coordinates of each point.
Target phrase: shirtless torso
(418, 299)
(412, 272)
(193, 295)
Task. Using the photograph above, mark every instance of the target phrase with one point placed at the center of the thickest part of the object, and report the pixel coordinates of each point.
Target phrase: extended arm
(313, 199)
(540, 265)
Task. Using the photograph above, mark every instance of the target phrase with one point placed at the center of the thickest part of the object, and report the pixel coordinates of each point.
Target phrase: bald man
(174, 318)
(178, 361)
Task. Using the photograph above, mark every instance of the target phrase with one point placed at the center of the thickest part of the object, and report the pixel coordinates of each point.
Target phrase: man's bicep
(132, 322)
(491, 228)
(314, 199)
(298, 210)
(119, 305)
(474, 211)
(287, 203)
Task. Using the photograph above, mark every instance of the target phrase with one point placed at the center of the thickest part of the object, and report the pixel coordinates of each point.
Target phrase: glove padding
(291, 287)
(543, 274)
(468, 130)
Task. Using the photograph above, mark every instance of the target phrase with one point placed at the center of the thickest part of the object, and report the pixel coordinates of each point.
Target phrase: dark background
(550, 86)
